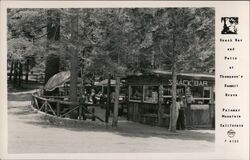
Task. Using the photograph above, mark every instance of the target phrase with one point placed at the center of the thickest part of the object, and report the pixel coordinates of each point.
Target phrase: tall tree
(52, 47)
(74, 55)
(185, 29)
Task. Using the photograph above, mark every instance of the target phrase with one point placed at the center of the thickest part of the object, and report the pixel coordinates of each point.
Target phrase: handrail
(76, 104)
(53, 100)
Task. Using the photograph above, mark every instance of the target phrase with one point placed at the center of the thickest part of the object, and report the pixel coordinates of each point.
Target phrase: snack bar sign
(185, 82)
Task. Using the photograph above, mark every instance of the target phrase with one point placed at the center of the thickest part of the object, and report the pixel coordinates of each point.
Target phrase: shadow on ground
(125, 128)
(19, 97)
(132, 129)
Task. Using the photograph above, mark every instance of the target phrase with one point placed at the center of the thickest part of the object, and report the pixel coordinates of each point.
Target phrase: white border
(225, 8)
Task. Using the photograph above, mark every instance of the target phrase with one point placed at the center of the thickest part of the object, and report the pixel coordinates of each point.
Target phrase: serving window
(150, 94)
(135, 93)
(201, 92)
(201, 95)
(167, 91)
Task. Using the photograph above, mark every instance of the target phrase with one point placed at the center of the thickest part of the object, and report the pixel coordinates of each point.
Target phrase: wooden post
(160, 109)
(93, 114)
(212, 108)
(80, 112)
(36, 103)
(116, 105)
(134, 111)
(108, 100)
(128, 104)
(58, 108)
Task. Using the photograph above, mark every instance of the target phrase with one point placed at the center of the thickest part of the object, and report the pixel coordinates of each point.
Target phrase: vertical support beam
(58, 108)
(108, 100)
(93, 114)
(116, 105)
(189, 115)
(160, 109)
(212, 107)
(127, 103)
(134, 111)
(80, 117)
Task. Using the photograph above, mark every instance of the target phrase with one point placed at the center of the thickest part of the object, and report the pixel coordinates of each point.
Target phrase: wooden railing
(60, 108)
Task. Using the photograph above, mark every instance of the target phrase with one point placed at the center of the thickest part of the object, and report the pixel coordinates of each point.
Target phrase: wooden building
(149, 98)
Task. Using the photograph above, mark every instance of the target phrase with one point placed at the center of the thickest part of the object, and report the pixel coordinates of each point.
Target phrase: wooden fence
(54, 106)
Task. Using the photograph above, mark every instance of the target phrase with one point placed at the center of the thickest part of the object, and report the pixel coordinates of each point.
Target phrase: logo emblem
(231, 133)
(229, 25)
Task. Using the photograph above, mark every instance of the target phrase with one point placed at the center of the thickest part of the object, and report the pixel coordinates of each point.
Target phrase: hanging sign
(189, 82)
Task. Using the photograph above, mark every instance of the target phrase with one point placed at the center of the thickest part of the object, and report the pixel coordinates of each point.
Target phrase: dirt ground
(29, 133)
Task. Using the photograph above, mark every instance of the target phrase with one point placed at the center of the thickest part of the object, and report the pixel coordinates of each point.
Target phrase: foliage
(120, 40)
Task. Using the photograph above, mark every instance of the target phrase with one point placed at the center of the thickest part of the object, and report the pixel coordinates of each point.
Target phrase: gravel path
(28, 132)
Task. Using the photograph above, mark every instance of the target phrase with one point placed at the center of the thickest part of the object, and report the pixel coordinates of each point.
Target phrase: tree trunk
(52, 63)
(15, 73)
(173, 116)
(73, 75)
(108, 100)
(160, 109)
(82, 81)
(20, 74)
(53, 35)
(11, 70)
(74, 56)
(27, 70)
(116, 105)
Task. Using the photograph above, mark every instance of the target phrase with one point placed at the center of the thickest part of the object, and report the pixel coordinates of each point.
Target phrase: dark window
(151, 94)
(135, 93)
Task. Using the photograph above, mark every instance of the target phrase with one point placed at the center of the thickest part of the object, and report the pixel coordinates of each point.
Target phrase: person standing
(181, 121)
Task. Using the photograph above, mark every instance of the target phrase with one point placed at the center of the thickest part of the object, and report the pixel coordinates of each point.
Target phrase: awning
(57, 80)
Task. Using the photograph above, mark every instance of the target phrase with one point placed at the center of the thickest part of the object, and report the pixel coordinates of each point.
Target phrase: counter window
(135, 93)
(151, 94)
(201, 95)
(200, 92)
(197, 92)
